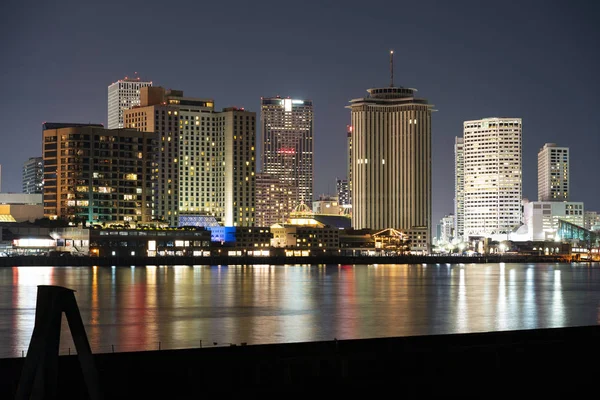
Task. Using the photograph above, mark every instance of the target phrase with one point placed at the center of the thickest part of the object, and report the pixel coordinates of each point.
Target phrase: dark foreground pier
(558, 362)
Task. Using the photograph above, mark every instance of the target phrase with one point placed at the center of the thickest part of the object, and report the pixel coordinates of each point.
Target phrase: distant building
(492, 176)
(287, 145)
(274, 200)
(553, 173)
(33, 175)
(459, 188)
(98, 175)
(343, 192)
(123, 95)
(591, 221)
(446, 233)
(391, 163)
(328, 205)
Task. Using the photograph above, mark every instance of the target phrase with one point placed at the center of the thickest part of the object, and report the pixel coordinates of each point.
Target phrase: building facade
(123, 95)
(287, 145)
(553, 173)
(492, 176)
(542, 218)
(591, 221)
(98, 175)
(33, 175)
(343, 192)
(206, 159)
(391, 162)
(459, 188)
(328, 205)
(273, 200)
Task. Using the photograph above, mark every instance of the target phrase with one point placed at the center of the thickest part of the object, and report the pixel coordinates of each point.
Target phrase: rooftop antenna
(391, 68)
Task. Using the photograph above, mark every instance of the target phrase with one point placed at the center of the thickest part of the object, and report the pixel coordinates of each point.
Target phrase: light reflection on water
(135, 308)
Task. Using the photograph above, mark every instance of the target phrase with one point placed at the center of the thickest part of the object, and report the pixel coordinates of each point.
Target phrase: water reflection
(135, 308)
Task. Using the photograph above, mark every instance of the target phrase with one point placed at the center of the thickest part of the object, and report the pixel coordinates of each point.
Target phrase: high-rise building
(287, 145)
(98, 175)
(349, 166)
(273, 200)
(343, 192)
(33, 175)
(492, 176)
(459, 188)
(206, 159)
(391, 163)
(553, 173)
(123, 95)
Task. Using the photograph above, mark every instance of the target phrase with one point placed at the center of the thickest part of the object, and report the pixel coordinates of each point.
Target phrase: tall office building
(492, 176)
(123, 95)
(343, 192)
(287, 145)
(391, 163)
(33, 175)
(206, 159)
(98, 175)
(459, 188)
(349, 166)
(553, 173)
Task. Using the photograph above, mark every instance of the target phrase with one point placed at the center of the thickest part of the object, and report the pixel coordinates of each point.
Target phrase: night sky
(537, 60)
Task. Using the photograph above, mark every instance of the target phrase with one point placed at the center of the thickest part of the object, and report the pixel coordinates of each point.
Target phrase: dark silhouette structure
(39, 377)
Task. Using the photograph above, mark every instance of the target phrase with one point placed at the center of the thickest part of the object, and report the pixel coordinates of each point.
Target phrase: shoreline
(87, 261)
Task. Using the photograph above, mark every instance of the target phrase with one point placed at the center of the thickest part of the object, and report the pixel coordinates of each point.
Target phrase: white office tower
(459, 188)
(492, 177)
(391, 163)
(123, 95)
(553, 173)
(287, 145)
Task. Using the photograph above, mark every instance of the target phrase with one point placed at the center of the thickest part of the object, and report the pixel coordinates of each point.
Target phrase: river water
(147, 307)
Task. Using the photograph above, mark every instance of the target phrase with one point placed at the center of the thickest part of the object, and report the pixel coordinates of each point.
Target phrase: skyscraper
(492, 176)
(287, 145)
(206, 159)
(98, 175)
(391, 163)
(33, 175)
(273, 200)
(342, 192)
(349, 166)
(553, 173)
(123, 95)
(459, 188)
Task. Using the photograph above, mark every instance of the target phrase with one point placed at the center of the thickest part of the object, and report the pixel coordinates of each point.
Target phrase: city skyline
(467, 64)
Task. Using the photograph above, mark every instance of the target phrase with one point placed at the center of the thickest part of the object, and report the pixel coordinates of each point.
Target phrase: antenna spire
(391, 68)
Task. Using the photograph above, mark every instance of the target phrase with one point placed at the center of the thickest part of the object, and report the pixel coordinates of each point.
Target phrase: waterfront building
(542, 218)
(206, 158)
(391, 163)
(287, 145)
(273, 200)
(98, 175)
(553, 173)
(123, 95)
(492, 177)
(33, 175)
(459, 188)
